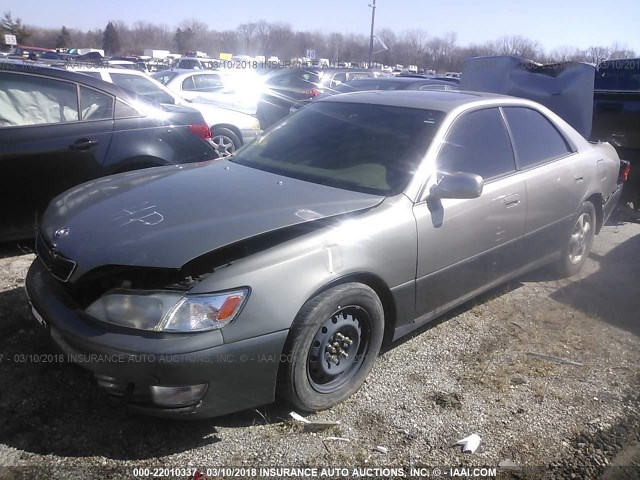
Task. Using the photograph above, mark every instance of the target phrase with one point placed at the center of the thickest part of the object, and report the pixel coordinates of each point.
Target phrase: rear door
(556, 180)
(54, 134)
(464, 245)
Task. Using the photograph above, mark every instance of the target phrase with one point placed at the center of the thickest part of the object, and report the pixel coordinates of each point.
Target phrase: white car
(230, 128)
(236, 88)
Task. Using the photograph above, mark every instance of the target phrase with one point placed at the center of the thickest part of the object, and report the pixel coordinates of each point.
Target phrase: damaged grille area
(59, 266)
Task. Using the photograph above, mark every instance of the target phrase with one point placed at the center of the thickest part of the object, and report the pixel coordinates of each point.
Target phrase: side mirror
(457, 185)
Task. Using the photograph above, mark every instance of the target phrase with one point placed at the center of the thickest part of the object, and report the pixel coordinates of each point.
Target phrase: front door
(465, 245)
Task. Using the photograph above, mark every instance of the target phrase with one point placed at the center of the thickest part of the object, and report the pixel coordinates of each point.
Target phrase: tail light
(625, 170)
(201, 129)
(314, 92)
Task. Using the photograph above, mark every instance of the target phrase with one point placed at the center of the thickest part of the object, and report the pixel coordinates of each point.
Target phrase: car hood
(167, 216)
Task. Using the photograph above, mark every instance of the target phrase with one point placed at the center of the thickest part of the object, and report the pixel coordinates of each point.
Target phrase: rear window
(367, 148)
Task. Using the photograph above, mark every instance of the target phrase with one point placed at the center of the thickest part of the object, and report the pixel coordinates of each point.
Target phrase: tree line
(409, 47)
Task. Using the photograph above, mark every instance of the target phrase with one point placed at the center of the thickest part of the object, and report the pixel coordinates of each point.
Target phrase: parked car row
(230, 128)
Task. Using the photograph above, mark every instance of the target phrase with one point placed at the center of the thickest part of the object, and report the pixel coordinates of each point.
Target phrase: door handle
(578, 178)
(511, 200)
(83, 144)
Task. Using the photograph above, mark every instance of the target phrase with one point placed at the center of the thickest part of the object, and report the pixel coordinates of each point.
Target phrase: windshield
(367, 148)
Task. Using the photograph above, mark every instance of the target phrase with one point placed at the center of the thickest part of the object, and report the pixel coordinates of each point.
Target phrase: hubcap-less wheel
(337, 349)
(332, 345)
(579, 238)
(223, 145)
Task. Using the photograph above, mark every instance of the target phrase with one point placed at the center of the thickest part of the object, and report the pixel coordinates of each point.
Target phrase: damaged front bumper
(206, 376)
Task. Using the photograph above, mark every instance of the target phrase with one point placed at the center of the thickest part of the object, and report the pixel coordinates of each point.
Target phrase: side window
(187, 84)
(478, 143)
(535, 138)
(207, 83)
(95, 105)
(34, 100)
(125, 111)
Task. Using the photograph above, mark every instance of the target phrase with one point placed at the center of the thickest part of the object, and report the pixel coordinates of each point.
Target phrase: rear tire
(332, 346)
(578, 246)
(225, 141)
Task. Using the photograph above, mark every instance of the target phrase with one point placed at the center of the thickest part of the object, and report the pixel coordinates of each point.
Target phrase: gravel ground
(481, 369)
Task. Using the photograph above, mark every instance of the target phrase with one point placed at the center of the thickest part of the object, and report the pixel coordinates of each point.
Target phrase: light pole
(373, 18)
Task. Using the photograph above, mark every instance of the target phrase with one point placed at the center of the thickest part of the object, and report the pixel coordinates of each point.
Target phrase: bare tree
(596, 55)
(247, 33)
(565, 54)
(616, 51)
(518, 46)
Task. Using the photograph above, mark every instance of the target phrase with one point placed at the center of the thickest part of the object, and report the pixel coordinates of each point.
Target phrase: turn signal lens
(229, 307)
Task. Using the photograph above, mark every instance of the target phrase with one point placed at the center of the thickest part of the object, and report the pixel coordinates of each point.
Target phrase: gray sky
(554, 23)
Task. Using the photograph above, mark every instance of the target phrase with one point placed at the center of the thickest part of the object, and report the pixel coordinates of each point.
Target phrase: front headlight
(168, 311)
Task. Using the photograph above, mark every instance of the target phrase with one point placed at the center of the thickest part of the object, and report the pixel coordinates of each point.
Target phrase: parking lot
(544, 371)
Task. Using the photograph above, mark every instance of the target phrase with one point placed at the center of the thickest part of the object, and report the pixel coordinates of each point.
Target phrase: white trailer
(156, 54)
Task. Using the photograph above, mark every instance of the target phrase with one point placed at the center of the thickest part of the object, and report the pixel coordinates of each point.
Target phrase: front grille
(59, 266)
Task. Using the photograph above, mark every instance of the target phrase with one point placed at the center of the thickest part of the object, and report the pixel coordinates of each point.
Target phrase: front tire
(332, 346)
(578, 245)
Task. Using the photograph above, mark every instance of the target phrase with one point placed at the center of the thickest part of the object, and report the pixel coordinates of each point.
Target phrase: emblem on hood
(61, 232)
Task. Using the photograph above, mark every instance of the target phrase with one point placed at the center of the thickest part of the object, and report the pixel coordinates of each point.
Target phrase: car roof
(72, 76)
(126, 71)
(442, 100)
(402, 80)
(188, 71)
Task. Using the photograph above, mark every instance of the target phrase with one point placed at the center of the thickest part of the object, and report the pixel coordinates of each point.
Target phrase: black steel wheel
(332, 346)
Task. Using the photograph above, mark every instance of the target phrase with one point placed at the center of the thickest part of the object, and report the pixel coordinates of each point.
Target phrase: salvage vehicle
(230, 129)
(59, 129)
(201, 290)
(616, 116)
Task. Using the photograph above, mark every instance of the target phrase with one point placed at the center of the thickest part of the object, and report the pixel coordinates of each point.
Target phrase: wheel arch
(598, 204)
(379, 286)
(139, 162)
(228, 126)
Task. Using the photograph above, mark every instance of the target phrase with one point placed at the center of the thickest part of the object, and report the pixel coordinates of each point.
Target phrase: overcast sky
(554, 23)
